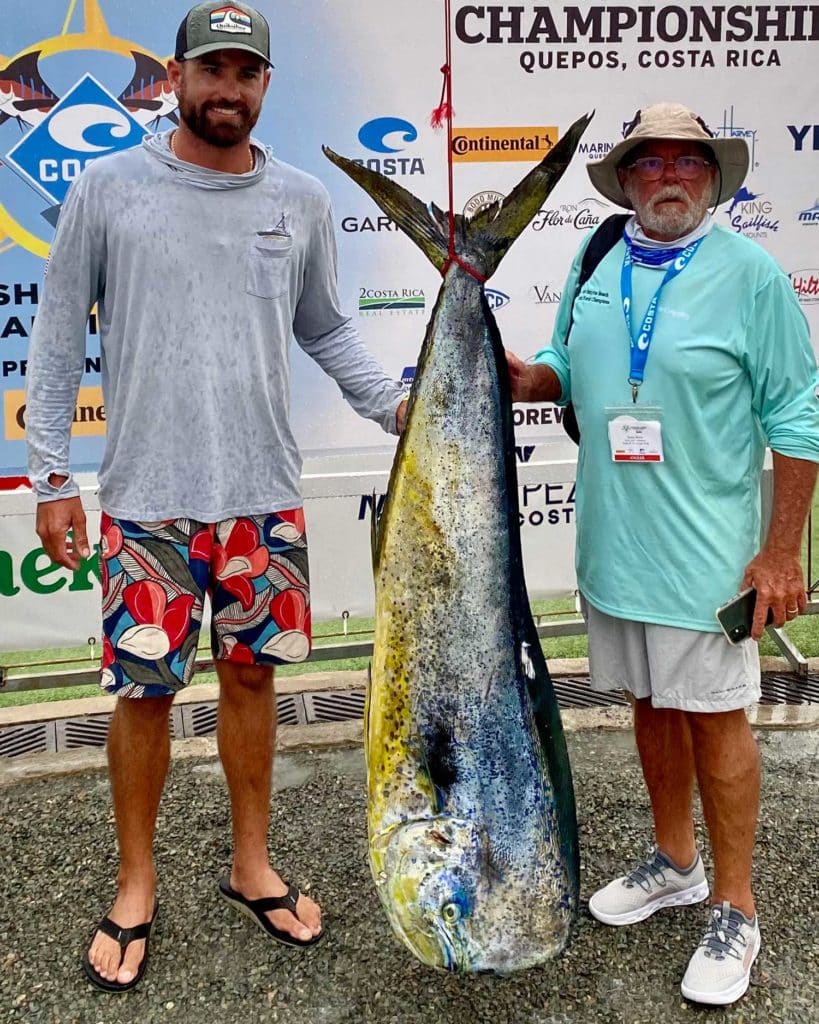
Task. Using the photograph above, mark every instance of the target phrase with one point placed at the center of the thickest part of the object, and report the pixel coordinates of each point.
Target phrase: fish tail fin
(491, 232)
(426, 226)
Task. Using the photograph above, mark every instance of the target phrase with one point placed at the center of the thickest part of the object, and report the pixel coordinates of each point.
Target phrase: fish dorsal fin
(492, 231)
(424, 225)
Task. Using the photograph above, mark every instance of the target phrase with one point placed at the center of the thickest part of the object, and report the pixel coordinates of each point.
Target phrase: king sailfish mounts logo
(64, 102)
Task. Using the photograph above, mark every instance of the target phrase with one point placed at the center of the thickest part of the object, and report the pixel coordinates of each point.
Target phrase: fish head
(458, 909)
(427, 876)
(520, 920)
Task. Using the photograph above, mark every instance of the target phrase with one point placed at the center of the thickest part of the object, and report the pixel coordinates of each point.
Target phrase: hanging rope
(443, 112)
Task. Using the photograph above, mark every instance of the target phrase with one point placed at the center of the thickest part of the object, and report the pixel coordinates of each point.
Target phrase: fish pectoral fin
(401, 206)
(493, 230)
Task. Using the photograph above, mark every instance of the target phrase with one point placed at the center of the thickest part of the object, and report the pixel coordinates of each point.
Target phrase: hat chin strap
(719, 189)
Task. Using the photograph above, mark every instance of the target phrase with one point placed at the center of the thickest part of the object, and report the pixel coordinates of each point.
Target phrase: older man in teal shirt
(685, 354)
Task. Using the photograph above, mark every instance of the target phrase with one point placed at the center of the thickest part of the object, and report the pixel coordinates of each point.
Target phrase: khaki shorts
(677, 668)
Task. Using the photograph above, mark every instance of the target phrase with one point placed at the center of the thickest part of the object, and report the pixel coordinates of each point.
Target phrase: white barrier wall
(363, 76)
(44, 605)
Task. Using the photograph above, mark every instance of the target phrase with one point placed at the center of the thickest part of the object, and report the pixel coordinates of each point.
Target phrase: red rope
(444, 112)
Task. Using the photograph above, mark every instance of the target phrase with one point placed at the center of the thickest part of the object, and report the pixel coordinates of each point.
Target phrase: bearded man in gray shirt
(205, 254)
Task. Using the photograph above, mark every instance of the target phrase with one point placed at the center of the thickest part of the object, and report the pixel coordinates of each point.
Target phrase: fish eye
(451, 912)
(440, 838)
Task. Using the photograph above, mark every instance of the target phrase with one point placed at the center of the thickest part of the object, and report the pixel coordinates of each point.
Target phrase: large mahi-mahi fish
(471, 815)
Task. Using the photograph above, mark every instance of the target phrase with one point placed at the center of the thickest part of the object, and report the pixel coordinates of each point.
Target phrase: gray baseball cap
(220, 25)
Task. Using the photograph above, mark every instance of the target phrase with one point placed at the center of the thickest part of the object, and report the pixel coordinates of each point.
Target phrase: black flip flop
(124, 936)
(256, 911)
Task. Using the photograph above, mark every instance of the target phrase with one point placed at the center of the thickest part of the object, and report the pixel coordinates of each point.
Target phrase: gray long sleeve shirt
(202, 278)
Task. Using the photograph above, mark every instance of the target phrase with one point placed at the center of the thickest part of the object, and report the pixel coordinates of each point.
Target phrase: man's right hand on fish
(531, 382)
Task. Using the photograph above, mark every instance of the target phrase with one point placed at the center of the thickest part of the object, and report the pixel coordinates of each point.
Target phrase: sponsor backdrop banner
(83, 78)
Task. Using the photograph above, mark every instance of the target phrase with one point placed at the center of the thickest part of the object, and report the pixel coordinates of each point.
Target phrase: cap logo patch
(231, 19)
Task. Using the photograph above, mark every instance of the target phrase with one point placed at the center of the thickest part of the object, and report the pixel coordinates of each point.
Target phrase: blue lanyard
(642, 343)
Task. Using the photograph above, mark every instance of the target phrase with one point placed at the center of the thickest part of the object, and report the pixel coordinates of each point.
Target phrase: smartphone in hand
(737, 616)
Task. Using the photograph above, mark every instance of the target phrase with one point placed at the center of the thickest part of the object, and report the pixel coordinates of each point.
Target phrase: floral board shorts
(154, 580)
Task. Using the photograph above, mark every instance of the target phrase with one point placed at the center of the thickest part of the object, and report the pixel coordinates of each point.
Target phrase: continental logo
(485, 145)
(89, 414)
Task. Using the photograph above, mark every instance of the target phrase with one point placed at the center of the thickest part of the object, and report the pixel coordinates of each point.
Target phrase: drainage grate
(576, 692)
(786, 689)
(38, 738)
(200, 719)
(290, 709)
(334, 706)
(82, 732)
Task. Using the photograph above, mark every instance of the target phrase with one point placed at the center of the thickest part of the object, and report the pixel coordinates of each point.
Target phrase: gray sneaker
(719, 972)
(653, 885)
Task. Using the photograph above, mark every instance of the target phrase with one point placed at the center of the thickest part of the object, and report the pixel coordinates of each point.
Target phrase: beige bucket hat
(672, 121)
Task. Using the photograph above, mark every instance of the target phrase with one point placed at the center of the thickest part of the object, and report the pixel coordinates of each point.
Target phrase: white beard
(672, 222)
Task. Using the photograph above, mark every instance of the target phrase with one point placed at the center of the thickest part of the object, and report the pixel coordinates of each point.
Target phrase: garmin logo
(367, 225)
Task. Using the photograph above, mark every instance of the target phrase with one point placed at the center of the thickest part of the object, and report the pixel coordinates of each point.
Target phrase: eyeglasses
(652, 168)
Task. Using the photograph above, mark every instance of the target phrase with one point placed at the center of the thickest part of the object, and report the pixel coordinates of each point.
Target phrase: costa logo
(374, 134)
(70, 114)
(389, 136)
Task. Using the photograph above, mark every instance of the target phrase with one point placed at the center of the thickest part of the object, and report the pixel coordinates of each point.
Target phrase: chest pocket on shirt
(268, 267)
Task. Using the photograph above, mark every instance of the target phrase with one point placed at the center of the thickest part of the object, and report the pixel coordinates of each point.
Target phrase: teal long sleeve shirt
(732, 369)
